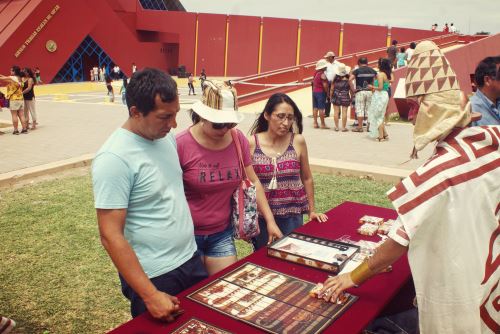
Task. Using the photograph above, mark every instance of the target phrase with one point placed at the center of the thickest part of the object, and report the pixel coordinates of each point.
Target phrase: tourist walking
(330, 76)
(109, 86)
(211, 172)
(360, 79)
(191, 84)
(280, 160)
(15, 98)
(341, 95)
(380, 98)
(320, 90)
(29, 83)
(410, 51)
(38, 76)
(123, 89)
(401, 58)
(203, 77)
(392, 52)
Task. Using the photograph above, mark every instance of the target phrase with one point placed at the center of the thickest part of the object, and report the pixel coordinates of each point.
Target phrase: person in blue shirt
(143, 216)
(487, 98)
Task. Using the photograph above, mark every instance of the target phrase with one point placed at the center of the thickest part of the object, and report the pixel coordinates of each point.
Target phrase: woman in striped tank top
(279, 158)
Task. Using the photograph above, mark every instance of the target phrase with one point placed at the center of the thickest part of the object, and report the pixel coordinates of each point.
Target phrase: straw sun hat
(342, 69)
(322, 63)
(329, 54)
(219, 103)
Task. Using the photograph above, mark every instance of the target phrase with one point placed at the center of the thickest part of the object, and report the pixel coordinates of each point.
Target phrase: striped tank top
(281, 180)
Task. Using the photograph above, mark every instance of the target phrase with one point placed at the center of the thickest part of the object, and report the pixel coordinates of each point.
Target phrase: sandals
(316, 126)
(16, 132)
(324, 127)
(380, 139)
(357, 130)
(345, 130)
(336, 129)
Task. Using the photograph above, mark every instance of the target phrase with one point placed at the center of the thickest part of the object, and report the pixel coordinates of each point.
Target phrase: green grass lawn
(55, 277)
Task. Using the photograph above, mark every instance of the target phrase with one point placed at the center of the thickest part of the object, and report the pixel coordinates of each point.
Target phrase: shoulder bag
(244, 217)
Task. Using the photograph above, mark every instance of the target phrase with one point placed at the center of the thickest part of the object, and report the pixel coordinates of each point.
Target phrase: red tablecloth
(343, 220)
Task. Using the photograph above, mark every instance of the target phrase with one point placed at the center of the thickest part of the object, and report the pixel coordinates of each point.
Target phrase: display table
(374, 295)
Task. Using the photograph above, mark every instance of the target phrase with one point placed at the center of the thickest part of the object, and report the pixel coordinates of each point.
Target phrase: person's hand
(321, 217)
(334, 286)
(162, 306)
(274, 232)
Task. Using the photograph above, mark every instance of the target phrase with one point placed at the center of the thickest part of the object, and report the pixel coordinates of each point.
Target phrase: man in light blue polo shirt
(487, 98)
(143, 216)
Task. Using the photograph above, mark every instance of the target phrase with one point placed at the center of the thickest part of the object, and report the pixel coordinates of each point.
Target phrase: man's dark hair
(487, 67)
(363, 61)
(394, 42)
(145, 85)
(413, 45)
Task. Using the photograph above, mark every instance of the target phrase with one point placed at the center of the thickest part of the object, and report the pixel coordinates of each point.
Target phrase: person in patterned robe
(449, 210)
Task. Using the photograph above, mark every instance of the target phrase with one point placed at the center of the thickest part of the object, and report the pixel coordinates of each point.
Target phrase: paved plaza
(75, 124)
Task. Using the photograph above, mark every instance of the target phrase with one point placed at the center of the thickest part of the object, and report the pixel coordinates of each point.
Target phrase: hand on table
(274, 232)
(321, 217)
(334, 286)
(162, 306)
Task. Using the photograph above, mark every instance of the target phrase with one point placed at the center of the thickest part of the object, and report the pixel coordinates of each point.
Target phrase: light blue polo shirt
(145, 177)
(490, 111)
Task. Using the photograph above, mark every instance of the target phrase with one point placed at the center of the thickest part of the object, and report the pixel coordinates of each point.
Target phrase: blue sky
(469, 16)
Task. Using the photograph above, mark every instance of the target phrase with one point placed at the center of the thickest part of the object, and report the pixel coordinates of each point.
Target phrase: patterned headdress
(431, 79)
(429, 71)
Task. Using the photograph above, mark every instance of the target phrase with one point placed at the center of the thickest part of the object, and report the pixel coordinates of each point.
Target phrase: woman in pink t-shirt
(210, 165)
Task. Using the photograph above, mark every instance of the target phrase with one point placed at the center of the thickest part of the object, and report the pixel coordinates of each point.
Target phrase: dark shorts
(319, 100)
(286, 224)
(173, 282)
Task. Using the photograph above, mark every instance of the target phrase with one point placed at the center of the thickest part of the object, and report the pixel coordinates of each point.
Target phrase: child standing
(401, 57)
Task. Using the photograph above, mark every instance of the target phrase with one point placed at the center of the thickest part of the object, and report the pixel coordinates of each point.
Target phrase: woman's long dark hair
(261, 124)
(17, 71)
(384, 65)
(28, 72)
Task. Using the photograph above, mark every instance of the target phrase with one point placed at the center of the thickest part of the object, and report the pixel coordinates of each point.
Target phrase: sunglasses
(220, 126)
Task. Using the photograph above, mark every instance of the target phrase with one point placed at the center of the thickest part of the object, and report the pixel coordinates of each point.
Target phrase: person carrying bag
(220, 184)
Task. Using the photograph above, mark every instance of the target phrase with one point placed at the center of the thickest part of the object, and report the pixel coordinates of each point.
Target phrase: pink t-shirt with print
(210, 178)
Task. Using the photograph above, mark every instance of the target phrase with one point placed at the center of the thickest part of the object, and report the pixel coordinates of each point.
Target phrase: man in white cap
(330, 76)
(142, 213)
(449, 209)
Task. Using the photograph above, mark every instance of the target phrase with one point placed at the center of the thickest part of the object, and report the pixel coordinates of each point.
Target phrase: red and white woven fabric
(449, 217)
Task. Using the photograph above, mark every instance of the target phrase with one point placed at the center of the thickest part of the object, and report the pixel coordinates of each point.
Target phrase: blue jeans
(173, 282)
(220, 244)
(286, 224)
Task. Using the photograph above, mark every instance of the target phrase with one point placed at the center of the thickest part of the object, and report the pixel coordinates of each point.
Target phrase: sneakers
(24, 131)
(16, 132)
(6, 325)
